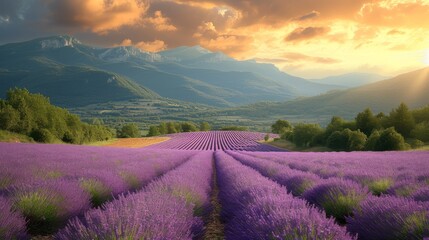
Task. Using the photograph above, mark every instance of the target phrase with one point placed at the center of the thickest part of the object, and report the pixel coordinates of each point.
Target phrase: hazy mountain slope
(411, 88)
(200, 58)
(351, 79)
(191, 74)
(70, 85)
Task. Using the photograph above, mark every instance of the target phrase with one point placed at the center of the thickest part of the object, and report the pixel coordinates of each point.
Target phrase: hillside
(411, 88)
(56, 65)
(351, 79)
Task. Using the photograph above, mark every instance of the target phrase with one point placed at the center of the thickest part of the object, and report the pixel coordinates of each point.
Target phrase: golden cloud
(160, 22)
(97, 15)
(153, 46)
(301, 33)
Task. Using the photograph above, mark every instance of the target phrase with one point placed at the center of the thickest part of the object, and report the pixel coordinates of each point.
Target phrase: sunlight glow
(426, 58)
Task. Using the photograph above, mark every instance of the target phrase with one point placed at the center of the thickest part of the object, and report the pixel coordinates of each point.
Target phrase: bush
(372, 140)
(153, 131)
(129, 131)
(337, 197)
(415, 143)
(43, 136)
(390, 140)
(281, 126)
(304, 134)
(390, 217)
(347, 140)
(421, 131)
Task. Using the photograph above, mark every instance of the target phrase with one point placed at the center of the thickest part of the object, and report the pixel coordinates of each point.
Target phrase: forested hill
(33, 115)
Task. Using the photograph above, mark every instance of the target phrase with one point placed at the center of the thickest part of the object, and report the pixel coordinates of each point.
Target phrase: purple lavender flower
(337, 197)
(48, 204)
(390, 217)
(256, 208)
(168, 208)
(12, 224)
(422, 194)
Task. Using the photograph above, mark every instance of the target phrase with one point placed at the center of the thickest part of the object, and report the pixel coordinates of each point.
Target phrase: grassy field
(131, 142)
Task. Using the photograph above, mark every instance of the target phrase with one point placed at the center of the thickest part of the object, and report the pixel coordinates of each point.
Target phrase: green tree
(188, 127)
(338, 124)
(281, 126)
(367, 122)
(129, 131)
(372, 141)
(402, 120)
(171, 128)
(205, 126)
(267, 137)
(43, 136)
(304, 134)
(421, 131)
(347, 140)
(390, 140)
(9, 118)
(421, 115)
(153, 131)
(357, 141)
(163, 128)
(338, 140)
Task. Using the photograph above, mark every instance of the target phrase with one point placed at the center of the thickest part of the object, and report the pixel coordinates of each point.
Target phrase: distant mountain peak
(58, 42)
(123, 53)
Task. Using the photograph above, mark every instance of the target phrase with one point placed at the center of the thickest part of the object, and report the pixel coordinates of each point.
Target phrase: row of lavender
(255, 207)
(404, 174)
(41, 189)
(171, 207)
(351, 203)
(216, 140)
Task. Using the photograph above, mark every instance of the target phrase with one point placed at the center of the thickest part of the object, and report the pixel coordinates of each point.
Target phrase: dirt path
(136, 142)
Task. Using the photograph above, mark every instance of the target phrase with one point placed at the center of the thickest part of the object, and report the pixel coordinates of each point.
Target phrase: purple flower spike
(12, 224)
(390, 217)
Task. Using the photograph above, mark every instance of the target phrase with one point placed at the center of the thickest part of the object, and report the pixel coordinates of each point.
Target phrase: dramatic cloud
(293, 57)
(99, 16)
(411, 13)
(306, 33)
(160, 22)
(311, 15)
(334, 35)
(154, 46)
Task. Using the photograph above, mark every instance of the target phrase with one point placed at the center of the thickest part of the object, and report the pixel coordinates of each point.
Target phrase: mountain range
(75, 74)
(410, 88)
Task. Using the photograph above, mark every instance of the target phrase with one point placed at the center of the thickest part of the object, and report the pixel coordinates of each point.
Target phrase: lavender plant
(167, 208)
(257, 208)
(12, 223)
(390, 217)
(337, 197)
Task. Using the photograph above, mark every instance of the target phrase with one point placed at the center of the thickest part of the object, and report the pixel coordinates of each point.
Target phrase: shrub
(372, 140)
(43, 136)
(337, 197)
(129, 131)
(385, 218)
(390, 140)
(97, 190)
(12, 224)
(46, 205)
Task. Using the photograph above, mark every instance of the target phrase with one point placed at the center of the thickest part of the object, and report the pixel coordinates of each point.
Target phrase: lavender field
(211, 185)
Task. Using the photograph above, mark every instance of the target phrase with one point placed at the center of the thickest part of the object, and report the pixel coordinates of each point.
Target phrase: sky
(307, 38)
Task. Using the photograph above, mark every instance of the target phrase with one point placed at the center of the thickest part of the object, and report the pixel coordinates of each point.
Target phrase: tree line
(400, 130)
(33, 115)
